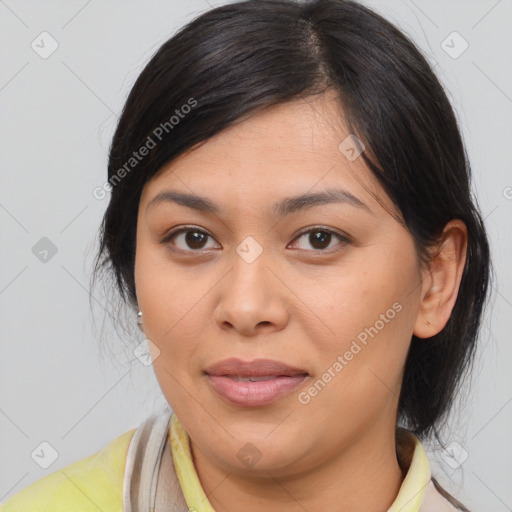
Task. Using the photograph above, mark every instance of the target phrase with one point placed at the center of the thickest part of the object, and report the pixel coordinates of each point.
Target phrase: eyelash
(184, 229)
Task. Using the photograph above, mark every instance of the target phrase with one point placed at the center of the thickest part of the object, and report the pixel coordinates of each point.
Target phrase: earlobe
(441, 282)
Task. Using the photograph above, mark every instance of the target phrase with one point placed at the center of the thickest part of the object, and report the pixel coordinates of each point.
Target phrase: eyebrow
(282, 208)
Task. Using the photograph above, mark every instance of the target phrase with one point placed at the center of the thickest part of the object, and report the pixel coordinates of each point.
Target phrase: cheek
(358, 301)
(360, 373)
(370, 312)
(169, 293)
(171, 304)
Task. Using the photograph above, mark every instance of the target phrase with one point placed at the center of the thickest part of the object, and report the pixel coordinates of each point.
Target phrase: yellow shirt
(92, 484)
(96, 482)
(409, 497)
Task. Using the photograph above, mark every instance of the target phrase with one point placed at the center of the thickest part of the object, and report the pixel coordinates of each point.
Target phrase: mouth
(256, 368)
(238, 378)
(254, 383)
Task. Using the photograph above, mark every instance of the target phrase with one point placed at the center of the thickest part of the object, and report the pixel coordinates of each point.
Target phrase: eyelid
(176, 231)
(173, 232)
(343, 237)
(333, 231)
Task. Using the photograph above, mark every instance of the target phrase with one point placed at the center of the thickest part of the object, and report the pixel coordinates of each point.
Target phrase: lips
(257, 368)
(253, 383)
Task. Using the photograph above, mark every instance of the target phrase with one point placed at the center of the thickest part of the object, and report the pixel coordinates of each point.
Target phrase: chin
(262, 457)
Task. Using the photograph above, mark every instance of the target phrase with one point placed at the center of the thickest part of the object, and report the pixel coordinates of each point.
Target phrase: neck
(364, 476)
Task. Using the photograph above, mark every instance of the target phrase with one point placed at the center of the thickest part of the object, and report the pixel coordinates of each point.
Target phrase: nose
(252, 299)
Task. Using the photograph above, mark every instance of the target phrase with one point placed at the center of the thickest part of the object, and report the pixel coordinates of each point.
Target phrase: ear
(441, 280)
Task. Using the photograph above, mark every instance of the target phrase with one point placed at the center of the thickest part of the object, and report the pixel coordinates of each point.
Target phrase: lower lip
(254, 394)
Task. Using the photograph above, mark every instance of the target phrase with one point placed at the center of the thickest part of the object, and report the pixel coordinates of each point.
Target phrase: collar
(411, 455)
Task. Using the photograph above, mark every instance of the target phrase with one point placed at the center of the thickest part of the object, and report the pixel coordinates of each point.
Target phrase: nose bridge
(251, 294)
(249, 275)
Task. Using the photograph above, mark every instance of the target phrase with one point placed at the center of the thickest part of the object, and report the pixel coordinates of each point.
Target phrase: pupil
(319, 236)
(191, 239)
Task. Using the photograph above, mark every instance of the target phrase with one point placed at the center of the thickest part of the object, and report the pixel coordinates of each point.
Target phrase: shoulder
(90, 484)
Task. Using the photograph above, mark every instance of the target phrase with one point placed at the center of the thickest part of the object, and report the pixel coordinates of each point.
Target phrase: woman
(291, 218)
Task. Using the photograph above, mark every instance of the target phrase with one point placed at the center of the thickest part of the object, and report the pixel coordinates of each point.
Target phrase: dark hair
(240, 58)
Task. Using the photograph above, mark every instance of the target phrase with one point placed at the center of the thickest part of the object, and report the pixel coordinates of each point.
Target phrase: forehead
(284, 150)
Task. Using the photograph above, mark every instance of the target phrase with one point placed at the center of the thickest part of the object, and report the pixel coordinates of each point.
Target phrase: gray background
(76, 387)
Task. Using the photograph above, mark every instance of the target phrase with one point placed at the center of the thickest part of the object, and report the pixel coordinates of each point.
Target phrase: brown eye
(320, 239)
(195, 239)
(187, 239)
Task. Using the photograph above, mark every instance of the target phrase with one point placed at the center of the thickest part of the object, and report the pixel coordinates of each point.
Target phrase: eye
(190, 237)
(194, 240)
(320, 238)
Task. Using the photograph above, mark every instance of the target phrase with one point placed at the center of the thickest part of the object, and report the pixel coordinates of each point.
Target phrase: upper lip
(254, 368)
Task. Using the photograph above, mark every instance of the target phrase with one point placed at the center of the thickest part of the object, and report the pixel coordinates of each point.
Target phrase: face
(329, 288)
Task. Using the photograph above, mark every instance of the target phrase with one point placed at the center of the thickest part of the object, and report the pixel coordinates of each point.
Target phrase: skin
(297, 303)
